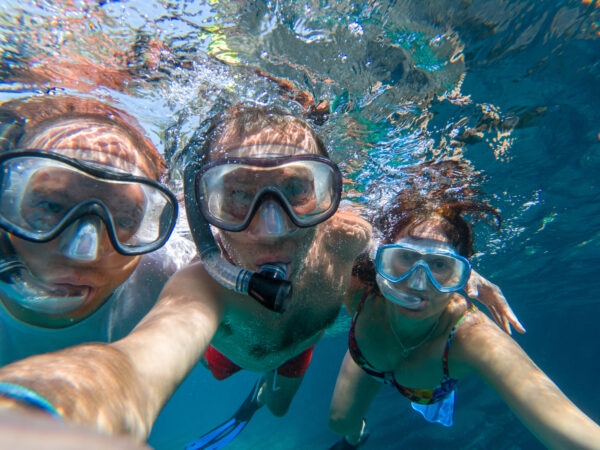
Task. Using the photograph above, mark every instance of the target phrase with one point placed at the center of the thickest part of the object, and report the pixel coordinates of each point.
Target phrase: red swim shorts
(221, 367)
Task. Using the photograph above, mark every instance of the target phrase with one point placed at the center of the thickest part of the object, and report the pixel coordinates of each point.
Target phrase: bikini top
(421, 396)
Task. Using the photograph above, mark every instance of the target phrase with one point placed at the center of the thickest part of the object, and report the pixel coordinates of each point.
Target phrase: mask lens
(229, 192)
(446, 271)
(42, 194)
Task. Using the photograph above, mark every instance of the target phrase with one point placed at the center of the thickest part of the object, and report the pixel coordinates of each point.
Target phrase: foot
(344, 444)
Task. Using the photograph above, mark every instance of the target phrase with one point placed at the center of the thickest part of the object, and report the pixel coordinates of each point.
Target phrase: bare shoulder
(346, 233)
(479, 344)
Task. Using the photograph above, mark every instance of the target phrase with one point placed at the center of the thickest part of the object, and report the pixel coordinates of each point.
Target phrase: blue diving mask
(409, 259)
(44, 193)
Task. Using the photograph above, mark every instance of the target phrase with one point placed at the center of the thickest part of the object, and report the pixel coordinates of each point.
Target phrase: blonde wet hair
(81, 119)
(251, 125)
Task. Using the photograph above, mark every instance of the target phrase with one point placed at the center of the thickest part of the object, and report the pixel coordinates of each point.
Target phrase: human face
(271, 235)
(418, 271)
(87, 277)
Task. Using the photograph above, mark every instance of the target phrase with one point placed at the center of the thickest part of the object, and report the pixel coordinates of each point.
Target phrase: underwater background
(510, 86)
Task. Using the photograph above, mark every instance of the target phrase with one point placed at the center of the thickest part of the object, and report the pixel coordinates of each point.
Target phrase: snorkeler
(415, 329)
(276, 256)
(82, 213)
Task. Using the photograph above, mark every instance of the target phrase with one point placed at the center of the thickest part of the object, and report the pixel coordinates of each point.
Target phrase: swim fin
(223, 434)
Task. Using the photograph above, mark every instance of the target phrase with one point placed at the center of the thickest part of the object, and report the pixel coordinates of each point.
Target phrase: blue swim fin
(223, 434)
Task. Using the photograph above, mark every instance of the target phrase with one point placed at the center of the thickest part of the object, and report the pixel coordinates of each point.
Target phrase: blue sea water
(511, 86)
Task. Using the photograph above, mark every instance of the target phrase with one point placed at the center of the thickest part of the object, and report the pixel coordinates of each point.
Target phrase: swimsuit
(419, 397)
(222, 367)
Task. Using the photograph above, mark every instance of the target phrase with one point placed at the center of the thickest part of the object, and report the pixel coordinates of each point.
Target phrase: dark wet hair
(229, 128)
(444, 197)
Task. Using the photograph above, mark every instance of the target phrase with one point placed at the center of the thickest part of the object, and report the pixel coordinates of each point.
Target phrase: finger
(512, 318)
(507, 327)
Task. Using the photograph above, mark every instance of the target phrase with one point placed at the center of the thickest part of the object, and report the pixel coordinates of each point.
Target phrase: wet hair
(444, 197)
(22, 118)
(269, 125)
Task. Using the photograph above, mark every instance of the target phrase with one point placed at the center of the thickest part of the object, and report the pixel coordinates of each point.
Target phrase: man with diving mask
(81, 213)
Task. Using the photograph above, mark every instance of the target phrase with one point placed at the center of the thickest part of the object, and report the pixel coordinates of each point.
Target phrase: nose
(418, 279)
(82, 240)
(271, 221)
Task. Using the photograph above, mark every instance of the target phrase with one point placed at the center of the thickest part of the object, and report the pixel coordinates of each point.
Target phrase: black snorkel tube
(268, 286)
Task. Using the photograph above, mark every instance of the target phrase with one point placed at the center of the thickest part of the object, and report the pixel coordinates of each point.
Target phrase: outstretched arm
(491, 296)
(527, 390)
(121, 387)
(33, 430)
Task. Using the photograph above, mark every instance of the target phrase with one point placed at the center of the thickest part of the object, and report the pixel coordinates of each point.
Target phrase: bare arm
(346, 236)
(121, 387)
(490, 295)
(534, 398)
(33, 431)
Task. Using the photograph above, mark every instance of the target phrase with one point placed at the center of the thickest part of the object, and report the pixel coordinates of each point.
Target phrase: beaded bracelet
(28, 396)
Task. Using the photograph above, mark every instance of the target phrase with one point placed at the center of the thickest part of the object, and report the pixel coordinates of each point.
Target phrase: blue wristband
(28, 396)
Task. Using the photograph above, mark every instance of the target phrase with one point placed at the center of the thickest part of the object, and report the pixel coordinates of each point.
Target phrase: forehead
(261, 151)
(294, 140)
(90, 140)
(432, 229)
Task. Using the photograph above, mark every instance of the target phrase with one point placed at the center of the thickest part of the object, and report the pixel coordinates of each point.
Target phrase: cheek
(439, 300)
(232, 243)
(33, 254)
(115, 272)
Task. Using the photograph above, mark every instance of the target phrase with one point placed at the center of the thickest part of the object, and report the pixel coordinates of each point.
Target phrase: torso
(406, 367)
(260, 340)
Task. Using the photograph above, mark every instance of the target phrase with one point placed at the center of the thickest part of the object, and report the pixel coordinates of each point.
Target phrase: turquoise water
(511, 86)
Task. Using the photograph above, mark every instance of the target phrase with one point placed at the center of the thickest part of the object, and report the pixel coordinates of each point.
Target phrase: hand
(490, 295)
(31, 430)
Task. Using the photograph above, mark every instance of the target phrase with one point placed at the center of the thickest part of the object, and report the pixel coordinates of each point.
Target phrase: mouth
(283, 265)
(412, 302)
(53, 299)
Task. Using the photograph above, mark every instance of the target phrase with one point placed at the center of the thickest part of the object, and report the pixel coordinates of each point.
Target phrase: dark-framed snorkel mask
(228, 192)
(43, 193)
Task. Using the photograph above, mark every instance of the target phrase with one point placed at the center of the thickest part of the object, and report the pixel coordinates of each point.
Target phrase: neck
(409, 331)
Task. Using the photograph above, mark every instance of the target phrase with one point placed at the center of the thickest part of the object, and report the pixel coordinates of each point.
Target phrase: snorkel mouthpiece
(20, 286)
(270, 287)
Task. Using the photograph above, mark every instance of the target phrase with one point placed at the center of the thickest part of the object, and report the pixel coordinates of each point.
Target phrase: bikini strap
(363, 299)
(472, 308)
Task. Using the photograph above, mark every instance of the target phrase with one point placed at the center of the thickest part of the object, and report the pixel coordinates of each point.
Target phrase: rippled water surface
(512, 87)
